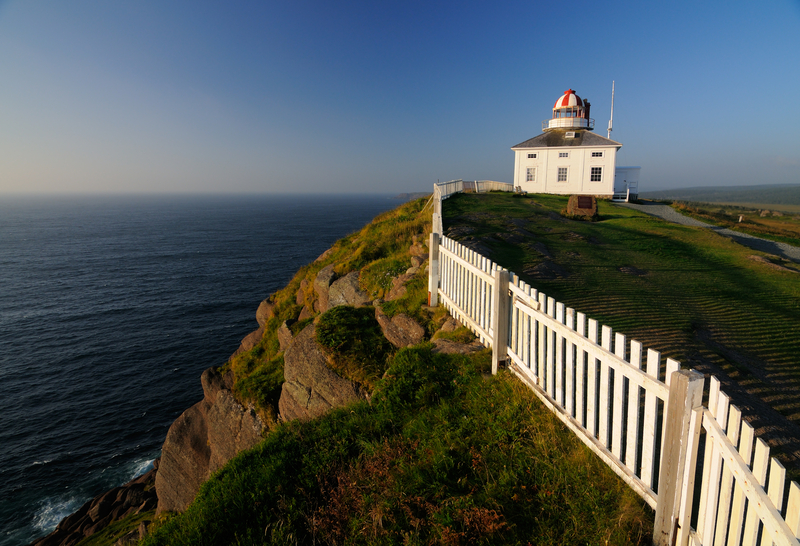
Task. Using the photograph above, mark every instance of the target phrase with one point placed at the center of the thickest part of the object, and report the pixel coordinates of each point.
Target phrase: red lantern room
(569, 112)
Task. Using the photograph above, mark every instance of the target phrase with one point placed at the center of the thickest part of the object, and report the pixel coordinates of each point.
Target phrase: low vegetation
(444, 454)
(381, 249)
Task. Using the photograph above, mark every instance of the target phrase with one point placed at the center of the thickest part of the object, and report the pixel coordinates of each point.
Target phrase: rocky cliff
(202, 439)
(219, 426)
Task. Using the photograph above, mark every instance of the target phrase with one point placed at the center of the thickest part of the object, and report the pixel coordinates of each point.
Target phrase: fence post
(500, 319)
(685, 394)
(433, 270)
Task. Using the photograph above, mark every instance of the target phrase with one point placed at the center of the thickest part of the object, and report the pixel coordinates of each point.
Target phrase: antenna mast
(611, 121)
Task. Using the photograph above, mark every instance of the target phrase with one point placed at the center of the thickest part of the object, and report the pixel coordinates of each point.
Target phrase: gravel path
(756, 243)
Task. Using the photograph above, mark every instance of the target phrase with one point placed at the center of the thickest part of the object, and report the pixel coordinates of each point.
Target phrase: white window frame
(563, 154)
(530, 174)
(563, 171)
(531, 156)
(599, 174)
(598, 154)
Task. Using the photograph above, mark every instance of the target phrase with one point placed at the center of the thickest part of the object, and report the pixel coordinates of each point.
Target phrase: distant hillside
(777, 194)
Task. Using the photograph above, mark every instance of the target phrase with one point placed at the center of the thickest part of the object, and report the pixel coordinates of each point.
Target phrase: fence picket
(632, 440)
(726, 486)
(619, 399)
(650, 417)
(551, 349)
(603, 407)
(580, 374)
(591, 387)
(777, 480)
(760, 462)
(542, 336)
(712, 492)
(793, 509)
(737, 506)
(569, 379)
(526, 332)
(559, 383)
(713, 399)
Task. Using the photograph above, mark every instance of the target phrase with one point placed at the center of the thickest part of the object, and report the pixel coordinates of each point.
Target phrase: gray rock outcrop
(203, 439)
(250, 340)
(136, 496)
(265, 311)
(311, 388)
(347, 291)
(322, 283)
(401, 330)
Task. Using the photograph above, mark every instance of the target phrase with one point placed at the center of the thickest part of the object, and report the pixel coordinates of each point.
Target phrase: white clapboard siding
(614, 398)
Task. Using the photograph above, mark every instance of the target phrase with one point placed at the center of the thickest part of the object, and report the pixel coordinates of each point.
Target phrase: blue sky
(307, 96)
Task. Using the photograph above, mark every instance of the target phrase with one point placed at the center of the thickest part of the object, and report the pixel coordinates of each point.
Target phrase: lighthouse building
(569, 158)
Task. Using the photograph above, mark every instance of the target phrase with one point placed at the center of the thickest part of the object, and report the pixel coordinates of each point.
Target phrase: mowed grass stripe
(687, 292)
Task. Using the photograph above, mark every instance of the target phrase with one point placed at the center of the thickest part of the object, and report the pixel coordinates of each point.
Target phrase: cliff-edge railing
(612, 394)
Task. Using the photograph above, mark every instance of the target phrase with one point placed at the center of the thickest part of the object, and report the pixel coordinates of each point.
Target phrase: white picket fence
(644, 418)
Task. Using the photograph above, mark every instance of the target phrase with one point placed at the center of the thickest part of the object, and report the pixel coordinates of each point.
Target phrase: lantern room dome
(569, 98)
(570, 112)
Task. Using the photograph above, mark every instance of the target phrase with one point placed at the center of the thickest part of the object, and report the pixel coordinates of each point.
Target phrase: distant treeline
(779, 194)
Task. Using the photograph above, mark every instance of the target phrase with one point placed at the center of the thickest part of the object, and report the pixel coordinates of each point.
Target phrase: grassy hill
(764, 196)
(442, 453)
(688, 292)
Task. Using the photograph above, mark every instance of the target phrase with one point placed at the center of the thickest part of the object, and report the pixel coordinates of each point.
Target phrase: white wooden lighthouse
(568, 158)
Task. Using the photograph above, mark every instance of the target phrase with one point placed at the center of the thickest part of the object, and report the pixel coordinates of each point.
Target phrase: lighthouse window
(563, 154)
(597, 174)
(531, 156)
(562, 174)
(531, 174)
(597, 154)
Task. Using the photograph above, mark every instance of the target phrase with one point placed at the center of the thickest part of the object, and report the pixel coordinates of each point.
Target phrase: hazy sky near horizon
(352, 96)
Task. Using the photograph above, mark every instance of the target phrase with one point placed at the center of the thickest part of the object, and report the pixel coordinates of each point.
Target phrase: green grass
(381, 249)
(442, 455)
(354, 341)
(693, 295)
(118, 529)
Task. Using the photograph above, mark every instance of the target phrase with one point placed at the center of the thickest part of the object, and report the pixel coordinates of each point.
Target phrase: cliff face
(202, 439)
(311, 388)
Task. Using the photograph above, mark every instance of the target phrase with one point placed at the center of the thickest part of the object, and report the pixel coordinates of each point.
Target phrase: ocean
(110, 309)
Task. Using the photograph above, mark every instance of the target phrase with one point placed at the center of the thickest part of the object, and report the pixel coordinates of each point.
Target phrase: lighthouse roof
(569, 98)
(552, 139)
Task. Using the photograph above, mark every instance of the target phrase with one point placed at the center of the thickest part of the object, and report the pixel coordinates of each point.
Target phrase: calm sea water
(110, 308)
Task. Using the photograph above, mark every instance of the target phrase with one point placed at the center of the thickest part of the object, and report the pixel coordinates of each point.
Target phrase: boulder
(311, 388)
(322, 283)
(301, 292)
(447, 346)
(284, 336)
(305, 313)
(398, 289)
(103, 505)
(418, 249)
(582, 205)
(401, 330)
(265, 311)
(251, 340)
(347, 291)
(417, 261)
(324, 255)
(450, 325)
